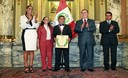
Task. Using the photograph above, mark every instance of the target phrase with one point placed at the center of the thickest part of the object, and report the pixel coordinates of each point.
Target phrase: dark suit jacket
(109, 38)
(85, 35)
(66, 31)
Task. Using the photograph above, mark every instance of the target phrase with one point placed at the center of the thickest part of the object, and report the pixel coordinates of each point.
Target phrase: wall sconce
(91, 2)
(0, 1)
(30, 2)
(101, 2)
(19, 2)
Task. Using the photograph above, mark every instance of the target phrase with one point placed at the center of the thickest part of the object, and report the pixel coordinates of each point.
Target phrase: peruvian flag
(64, 10)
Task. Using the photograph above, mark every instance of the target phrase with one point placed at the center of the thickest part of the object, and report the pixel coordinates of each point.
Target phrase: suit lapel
(106, 24)
(81, 21)
(111, 22)
(43, 28)
(50, 29)
(59, 29)
(63, 29)
(88, 20)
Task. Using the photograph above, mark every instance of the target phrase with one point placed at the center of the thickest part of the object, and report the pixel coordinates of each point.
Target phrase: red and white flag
(64, 10)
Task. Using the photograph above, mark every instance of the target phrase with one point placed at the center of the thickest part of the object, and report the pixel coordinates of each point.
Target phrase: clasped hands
(30, 17)
(111, 28)
(85, 24)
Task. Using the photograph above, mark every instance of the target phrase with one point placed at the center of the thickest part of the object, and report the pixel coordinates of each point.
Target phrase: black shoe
(106, 69)
(50, 69)
(114, 69)
(91, 70)
(43, 70)
(67, 70)
(55, 70)
(82, 70)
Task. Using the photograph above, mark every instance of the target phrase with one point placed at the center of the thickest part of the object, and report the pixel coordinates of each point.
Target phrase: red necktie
(85, 22)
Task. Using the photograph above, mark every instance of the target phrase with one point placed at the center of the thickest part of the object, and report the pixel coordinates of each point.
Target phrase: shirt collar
(45, 25)
(85, 19)
(109, 20)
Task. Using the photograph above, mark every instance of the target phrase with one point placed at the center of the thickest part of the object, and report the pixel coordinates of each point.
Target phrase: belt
(29, 28)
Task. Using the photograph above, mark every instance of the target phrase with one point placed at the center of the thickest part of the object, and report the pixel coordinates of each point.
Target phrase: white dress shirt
(61, 28)
(109, 22)
(48, 35)
(85, 19)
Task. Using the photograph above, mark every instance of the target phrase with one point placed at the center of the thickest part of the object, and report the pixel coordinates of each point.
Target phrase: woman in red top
(45, 36)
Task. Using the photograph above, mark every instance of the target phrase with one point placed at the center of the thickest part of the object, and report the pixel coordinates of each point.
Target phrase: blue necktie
(109, 22)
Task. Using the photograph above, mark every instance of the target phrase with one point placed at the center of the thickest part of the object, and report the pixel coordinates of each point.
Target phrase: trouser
(113, 55)
(58, 57)
(46, 55)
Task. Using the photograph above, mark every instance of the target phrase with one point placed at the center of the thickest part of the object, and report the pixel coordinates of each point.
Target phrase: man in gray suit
(85, 28)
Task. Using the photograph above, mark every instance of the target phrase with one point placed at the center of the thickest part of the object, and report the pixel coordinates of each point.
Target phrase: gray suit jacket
(86, 34)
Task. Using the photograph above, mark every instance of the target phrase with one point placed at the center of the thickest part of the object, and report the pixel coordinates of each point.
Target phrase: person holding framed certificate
(62, 36)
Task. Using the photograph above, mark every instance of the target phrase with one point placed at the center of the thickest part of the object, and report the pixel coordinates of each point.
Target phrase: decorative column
(7, 17)
(39, 11)
(1, 18)
(127, 13)
(20, 7)
(6, 32)
(123, 17)
(77, 8)
(81, 6)
(124, 23)
(91, 9)
(102, 10)
(43, 7)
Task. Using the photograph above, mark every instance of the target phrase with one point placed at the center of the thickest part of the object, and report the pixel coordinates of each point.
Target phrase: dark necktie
(61, 24)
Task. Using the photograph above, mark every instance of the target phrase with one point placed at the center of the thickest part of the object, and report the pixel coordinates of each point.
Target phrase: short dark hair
(84, 10)
(108, 13)
(61, 16)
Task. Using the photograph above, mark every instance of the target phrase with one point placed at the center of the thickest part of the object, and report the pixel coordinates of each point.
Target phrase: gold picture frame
(62, 41)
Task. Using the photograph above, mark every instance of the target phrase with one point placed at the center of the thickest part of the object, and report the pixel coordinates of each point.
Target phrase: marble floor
(74, 73)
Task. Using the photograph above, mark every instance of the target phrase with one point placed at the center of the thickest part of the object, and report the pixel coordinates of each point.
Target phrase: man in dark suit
(109, 30)
(64, 30)
(85, 28)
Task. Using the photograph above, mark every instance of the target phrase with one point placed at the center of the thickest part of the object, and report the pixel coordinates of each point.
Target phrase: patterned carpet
(75, 73)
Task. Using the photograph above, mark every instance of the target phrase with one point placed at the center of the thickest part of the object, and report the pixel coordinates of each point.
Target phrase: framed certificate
(61, 41)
